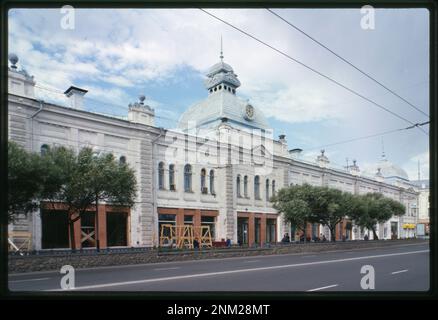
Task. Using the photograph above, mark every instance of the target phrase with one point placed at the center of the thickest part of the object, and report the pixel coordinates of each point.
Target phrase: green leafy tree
(292, 203)
(328, 207)
(315, 204)
(66, 183)
(81, 181)
(111, 182)
(374, 208)
(25, 180)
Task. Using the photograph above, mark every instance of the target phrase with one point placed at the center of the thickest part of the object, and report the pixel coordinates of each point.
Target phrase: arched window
(267, 189)
(122, 160)
(161, 176)
(204, 189)
(245, 186)
(188, 178)
(212, 182)
(238, 186)
(44, 149)
(273, 187)
(172, 185)
(257, 187)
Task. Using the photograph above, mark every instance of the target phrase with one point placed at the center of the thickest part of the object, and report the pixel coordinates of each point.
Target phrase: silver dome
(388, 170)
(218, 67)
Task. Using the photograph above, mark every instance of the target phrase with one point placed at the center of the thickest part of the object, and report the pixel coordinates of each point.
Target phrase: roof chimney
(76, 97)
(295, 153)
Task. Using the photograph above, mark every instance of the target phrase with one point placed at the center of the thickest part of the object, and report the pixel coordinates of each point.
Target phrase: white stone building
(422, 187)
(219, 167)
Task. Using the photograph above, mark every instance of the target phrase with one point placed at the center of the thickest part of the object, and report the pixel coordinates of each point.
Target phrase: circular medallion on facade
(249, 112)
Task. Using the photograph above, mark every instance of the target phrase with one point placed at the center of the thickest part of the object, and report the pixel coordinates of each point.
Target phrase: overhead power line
(313, 70)
(370, 136)
(61, 93)
(415, 125)
(348, 62)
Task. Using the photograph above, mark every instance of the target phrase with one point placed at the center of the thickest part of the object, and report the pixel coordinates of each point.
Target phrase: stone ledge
(47, 262)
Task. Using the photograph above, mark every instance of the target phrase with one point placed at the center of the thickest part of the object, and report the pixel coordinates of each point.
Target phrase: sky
(118, 54)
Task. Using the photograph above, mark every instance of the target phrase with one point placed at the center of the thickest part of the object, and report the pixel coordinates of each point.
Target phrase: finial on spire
(383, 150)
(222, 54)
(13, 58)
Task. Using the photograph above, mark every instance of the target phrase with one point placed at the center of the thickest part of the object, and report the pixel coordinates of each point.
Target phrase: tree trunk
(332, 233)
(375, 236)
(304, 232)
(71, 225)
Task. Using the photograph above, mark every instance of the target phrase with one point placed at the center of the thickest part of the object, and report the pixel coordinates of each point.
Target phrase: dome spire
(222, 54)
(383, 151)
(221, 76)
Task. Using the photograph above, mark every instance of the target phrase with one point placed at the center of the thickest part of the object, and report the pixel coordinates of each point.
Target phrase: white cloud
(153, 44)
(297, 104)
(116, 51)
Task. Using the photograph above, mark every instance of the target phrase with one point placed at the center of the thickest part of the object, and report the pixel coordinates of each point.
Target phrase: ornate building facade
(219, 167)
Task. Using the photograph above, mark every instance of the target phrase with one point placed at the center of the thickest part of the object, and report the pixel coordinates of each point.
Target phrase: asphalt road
(396, 268)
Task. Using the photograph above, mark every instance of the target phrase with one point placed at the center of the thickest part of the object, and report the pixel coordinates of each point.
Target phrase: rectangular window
(242, 231)
(165, 219)
(188, 220)
(209, 221)
(88, 231)
(55, 232)
(270, 230)
(116, 229)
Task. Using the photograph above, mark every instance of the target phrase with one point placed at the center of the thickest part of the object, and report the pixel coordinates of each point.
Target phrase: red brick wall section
(251, 229)
(251, 225)
(102, 226)
(103, 210)
(263, 229)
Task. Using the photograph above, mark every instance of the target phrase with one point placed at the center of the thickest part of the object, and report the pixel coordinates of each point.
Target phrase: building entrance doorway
(54, 225)
(116, 228)
(394, 230)
(242, 231)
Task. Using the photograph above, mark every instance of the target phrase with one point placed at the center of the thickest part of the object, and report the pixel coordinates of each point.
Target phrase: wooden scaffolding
(184, 236)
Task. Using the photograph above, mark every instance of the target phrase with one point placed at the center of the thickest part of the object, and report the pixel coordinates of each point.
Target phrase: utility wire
(60, 92)
(312, 69)
(371, 136)
(347, 62)
(415, 125)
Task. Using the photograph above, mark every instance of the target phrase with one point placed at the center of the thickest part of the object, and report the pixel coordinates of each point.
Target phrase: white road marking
(173, 268)
(209, 274)
(322, 288)
(268, 256)
(25, 280)
(251, 261)
(401, 271)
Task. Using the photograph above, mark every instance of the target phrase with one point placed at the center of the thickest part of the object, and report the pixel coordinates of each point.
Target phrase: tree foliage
(374, 208)
(87, 180)
(25, 175)
(78, 181)
(301, 204)
(292, 203)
